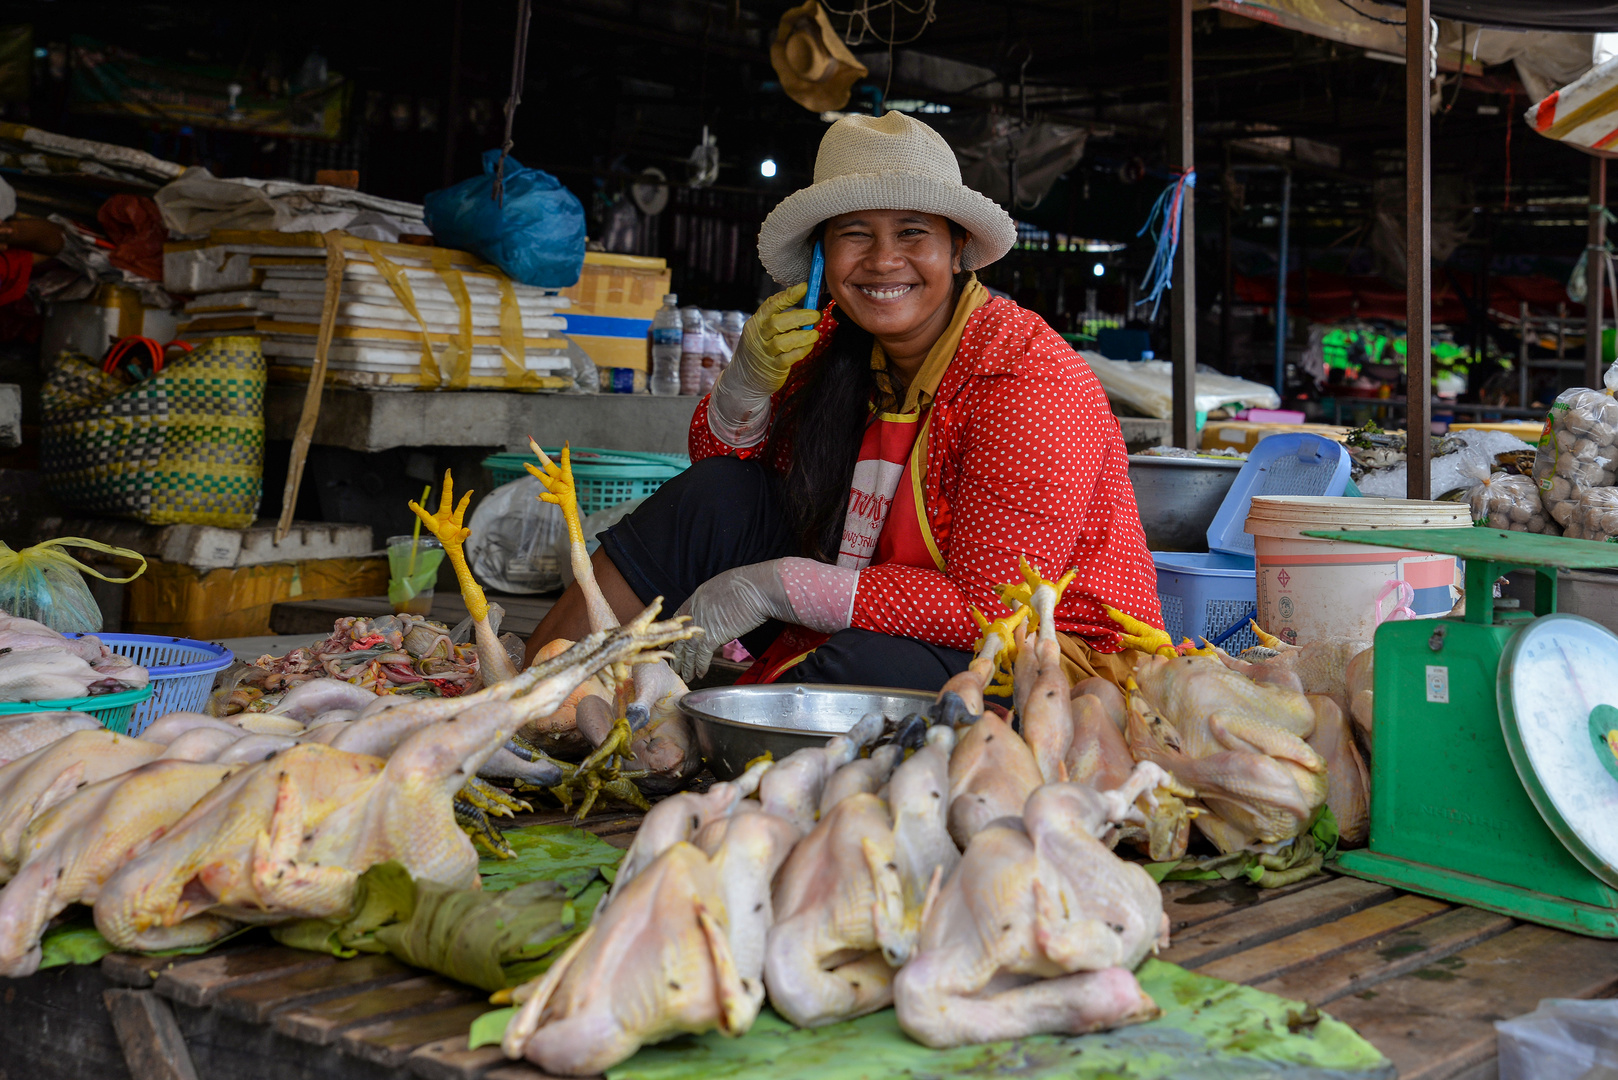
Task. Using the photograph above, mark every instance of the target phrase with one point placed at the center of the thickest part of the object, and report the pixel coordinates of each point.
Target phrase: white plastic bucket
(1311, 590)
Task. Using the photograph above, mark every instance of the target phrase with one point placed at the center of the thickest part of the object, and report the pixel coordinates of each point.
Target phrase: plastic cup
(411, 590)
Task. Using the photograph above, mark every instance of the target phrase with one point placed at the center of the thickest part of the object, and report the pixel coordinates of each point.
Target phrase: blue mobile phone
(817, 271)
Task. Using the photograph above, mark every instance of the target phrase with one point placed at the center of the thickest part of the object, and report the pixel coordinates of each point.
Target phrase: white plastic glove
(772, 341)
(815, 595)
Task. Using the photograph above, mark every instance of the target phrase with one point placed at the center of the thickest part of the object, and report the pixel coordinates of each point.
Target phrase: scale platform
(1494, 764)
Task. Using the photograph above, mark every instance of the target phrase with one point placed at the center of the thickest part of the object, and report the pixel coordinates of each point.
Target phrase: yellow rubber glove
(773, 340)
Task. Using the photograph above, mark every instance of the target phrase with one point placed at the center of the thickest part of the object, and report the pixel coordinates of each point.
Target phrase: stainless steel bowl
(735, 724)
(1178, 498)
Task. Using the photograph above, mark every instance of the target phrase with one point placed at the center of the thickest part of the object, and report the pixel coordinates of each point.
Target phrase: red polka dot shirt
(1024, 457)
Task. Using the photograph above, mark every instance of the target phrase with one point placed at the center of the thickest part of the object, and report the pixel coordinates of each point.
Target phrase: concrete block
(370, 421)
(10, 415)
(204, 547)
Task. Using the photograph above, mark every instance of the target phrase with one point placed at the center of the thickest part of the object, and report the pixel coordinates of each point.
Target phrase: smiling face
(893, 272)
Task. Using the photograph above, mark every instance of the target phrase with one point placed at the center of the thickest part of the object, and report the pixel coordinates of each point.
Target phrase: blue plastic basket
(1212, 595)
(1207, 595)
(604, 477)
(1291, 463)
(111, 710)
(182, 672)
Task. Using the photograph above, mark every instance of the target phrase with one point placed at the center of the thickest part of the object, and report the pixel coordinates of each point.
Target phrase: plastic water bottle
(692, 342)
(667, 333)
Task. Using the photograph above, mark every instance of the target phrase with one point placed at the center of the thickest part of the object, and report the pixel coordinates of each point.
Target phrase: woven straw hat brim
(783, 240)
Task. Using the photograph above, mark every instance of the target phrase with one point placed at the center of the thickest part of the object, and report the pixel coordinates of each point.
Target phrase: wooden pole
(1523, 386)
(1281, 288)
(1418, 252)
(1595, 272)
(335, 262)
(1183, 298)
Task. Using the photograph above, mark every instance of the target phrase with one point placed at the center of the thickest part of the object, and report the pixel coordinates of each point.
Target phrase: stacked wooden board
(409, 316)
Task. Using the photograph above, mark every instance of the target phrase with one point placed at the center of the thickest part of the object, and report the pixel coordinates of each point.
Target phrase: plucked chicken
(39, 664)
(38, 781)
(70, 850)
(288, 838)
(20, 735)
(850, 899)
(1040, 927)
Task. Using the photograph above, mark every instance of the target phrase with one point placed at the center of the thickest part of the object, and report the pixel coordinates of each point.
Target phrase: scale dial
(1558, 695)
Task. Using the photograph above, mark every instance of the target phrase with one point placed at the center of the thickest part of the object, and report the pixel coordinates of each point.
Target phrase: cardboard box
(1243, 435)
(613, 305)
(175, 600)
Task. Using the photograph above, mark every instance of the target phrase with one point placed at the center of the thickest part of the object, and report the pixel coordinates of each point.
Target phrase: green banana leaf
(1209, 1030)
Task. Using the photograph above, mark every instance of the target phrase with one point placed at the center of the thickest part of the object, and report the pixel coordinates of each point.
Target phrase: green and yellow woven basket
(185, 446)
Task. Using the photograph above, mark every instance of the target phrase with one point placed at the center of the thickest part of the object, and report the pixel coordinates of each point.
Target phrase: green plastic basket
(604, 477)
(111, 710)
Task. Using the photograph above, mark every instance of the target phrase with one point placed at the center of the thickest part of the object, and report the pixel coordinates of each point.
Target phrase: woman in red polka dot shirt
(867, 469)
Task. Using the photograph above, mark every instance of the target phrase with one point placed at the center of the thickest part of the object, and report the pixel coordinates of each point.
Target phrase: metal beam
(1418, 252)
(1183, 294)
(1595, 270)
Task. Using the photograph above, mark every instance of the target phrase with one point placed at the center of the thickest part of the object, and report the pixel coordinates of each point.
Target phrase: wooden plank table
(1423, 980)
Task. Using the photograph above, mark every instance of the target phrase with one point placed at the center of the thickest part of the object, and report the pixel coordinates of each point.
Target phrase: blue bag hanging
(536, 235)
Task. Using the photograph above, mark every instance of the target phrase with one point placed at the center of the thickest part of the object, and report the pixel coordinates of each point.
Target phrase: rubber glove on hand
(772, 341)
(815, 595)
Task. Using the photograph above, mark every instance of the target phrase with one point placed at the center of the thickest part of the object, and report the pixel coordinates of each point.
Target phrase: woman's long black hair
(822, 420)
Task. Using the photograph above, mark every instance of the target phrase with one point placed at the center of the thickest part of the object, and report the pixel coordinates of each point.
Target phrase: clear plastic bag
(1504, 501)
(512, 548)
(1596, 515)
(1578, 450)
(46, 584)
(1563, 1039)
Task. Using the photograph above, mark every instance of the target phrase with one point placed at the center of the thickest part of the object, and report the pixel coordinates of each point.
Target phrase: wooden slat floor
(1423, 980)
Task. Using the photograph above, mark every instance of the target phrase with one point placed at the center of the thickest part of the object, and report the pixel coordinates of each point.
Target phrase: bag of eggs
(1504, 501)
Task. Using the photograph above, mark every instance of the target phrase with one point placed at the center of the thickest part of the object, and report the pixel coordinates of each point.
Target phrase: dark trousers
(724, 512)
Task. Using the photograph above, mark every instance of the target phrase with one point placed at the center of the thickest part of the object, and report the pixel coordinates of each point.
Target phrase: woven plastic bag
(535, 233)
(46, 584)
(184, 447)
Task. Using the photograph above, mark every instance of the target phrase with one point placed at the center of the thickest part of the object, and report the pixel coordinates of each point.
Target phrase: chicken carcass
(73, 848)
(38, 781)
(654, 736)
(1040, 927)
(20, 735)
(289, 837)
(679, 950)
(1348, 782)
(850, 899)
(494, 665)
(960, 701)
(991, 774)
(1253, 797)
(1340, 668)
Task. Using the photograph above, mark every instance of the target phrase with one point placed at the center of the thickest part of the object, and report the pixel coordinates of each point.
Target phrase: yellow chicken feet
(1022, 595)
(476, 824)
(448, 525)
(490, 799)
(1140, 635)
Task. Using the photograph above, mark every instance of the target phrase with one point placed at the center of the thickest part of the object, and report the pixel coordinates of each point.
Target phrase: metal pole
(1227, 284)
(1522, 354)
(1183, 301)
(1281, 289)
(1418, 252)
(1595, 269)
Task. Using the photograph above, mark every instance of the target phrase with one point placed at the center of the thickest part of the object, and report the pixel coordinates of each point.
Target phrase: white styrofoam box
(87, 327)
(205, 547)
(10, 415)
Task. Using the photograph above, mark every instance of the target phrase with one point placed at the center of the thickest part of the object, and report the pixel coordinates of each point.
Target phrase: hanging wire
(519, 67)
(1164, 224)
(1368, 15)
(860, 25)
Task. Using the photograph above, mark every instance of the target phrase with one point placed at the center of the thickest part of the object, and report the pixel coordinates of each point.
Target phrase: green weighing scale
(1494, 769)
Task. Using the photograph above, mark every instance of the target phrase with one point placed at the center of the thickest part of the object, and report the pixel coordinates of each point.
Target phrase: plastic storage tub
(182, 671)
(113, 711)
(604, 477)
(1211, 595)
(1311, 589)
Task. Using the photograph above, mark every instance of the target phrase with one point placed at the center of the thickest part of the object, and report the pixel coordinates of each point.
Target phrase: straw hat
(815, 67)
(891, 162)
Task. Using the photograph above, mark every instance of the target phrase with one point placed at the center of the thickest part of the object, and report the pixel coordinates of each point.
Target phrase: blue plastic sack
(536, 236)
